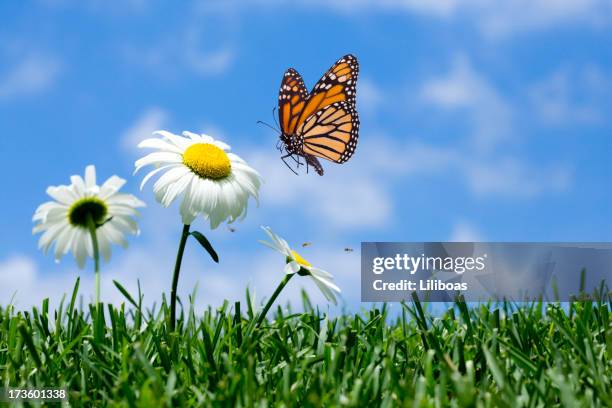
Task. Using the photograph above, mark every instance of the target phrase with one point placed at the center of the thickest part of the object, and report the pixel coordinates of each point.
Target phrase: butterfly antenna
(261, 122)
(274, 117)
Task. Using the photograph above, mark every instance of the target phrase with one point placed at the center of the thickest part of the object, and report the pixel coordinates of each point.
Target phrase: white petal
(50, 212)
(111, 186)
(124, 224)
(79, 248)
(51, 235)
(78, 185)
(44, 208)
(187, 216)
(208, 193)
(221, 145)
(292, 267)
(154, 172)
(170, 177)
(64, 241)
(62, 194)
(161, 145)
(269, 245)
(193, 136)
(178, 141)
(206, 138)
(171, 184)
(90, 177)
(158, 158)
(125, 199)
(117, 209)
(104, 247)
(235, 159)
(275, 240)
(111, 233)
(321, 272)
(247, 182)
(326, 291)
(326, 282)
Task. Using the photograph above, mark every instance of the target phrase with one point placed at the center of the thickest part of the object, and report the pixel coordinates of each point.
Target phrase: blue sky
(480, 121)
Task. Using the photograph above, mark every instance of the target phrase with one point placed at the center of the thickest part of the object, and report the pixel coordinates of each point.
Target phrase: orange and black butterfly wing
(291, 101)
(336, 85)
(332, 132)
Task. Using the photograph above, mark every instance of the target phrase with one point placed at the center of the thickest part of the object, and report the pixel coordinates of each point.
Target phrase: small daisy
(86, 219)
(64, 221)
(296, 264)
(212, 181)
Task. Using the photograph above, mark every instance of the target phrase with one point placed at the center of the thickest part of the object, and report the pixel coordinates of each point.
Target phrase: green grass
(532, 355)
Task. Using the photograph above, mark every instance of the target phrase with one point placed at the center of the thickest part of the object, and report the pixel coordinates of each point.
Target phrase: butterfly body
(323, 123)
(294, 145)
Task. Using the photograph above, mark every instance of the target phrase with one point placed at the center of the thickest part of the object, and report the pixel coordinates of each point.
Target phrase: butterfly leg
(287, 164)
(297, 160)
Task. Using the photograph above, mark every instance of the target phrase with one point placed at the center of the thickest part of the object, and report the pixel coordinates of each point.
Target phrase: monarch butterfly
(323, 123)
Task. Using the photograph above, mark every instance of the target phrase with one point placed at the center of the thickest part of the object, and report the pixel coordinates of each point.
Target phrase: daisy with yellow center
(296, 264)
(86, 219)
(210, 180)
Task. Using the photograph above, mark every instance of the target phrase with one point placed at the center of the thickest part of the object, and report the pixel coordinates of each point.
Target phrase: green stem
(177, 270)
(96, 254)
(277, 292)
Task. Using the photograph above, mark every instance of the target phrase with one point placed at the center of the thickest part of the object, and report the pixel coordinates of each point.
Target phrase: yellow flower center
(207, 161)
(298, 258)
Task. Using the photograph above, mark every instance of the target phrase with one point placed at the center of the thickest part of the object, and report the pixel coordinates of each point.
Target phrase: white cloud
(101, 6)
(464, 89)
(572, 96)
(181, 51)
(464, 231)
(30, 75)
(502, 18)
(205, 63)
(494, 20)
(484, 175)
(26, 286)
(344, 197)
(514, 178)
(485, 166)
(370, 95)
(152, 119)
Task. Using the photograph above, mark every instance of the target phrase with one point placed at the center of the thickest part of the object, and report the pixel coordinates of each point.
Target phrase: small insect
(306, 244)
(347, 249)
(323, 123)
(104, 222)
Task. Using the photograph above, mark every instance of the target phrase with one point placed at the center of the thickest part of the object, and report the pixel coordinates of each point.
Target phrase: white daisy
(212, 181)
(297, 264)
(64, 221)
